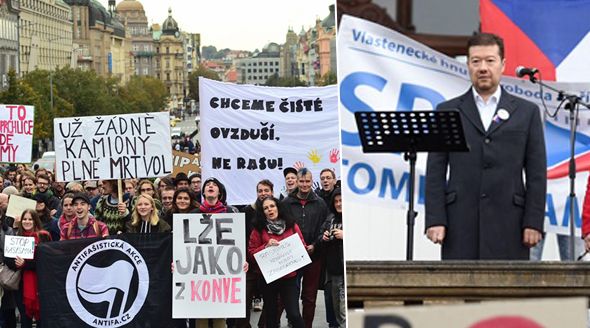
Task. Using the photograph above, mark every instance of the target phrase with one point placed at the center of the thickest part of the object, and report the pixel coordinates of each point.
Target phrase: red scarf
(30, 292)
(217, 208)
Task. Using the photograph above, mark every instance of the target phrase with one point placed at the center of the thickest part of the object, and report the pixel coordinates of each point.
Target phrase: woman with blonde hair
(144, 218)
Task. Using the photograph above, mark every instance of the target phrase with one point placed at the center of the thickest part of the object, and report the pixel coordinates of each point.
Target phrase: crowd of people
(89, 209)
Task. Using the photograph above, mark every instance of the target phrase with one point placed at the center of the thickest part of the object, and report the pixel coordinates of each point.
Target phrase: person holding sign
(109, 210)
(144, 218)
(270, 227)
(27, 298)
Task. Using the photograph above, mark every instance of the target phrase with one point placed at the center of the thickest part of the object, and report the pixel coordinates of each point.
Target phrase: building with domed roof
(132, 15)
(100, 40)
(170, 59)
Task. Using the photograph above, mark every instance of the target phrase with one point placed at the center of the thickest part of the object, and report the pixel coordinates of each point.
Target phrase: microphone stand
(572, 104)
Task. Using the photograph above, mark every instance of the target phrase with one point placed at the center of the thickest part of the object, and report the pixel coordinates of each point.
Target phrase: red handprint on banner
(334, 155)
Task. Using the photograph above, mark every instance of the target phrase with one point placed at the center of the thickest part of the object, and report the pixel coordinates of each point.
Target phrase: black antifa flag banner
(119, 281)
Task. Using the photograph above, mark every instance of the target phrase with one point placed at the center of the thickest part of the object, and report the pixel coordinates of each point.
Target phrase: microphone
(521, 71)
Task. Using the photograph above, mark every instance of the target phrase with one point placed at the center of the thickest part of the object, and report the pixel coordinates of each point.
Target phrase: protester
(290, 175)
(328, 184)
(43, 183)
(167, 199)
(68, 212)
(333, 241)
(181, 181)
(109, 210)
(130, 186)
(477, 203)
(310, 212)
(195, 185)
(270, 227)
(183, 202)
(29, 186)
(8, 307)
(45, 217)
(85, 225)
(254, 279)
(144, 218)
(27, 297)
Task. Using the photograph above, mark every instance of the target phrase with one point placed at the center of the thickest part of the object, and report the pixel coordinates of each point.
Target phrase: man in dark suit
(484, 209)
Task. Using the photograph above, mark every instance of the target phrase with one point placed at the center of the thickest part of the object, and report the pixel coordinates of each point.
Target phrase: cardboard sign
(113, 147)
(17, 205)
(277, 261)
(16, 133)
(209, 251)
(23, 247)
(186, 163)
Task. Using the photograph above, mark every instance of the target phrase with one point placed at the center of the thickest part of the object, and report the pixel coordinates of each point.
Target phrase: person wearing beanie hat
(181, 180)
(214, 198)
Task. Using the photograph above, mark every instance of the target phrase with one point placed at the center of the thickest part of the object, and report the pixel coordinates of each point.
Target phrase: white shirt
(487, 110)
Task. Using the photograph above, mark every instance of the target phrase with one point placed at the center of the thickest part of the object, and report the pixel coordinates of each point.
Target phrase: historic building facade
(170, 60)
(132, 15)
(9, 11)
(100, 40)
(45, 35)
(262, 65)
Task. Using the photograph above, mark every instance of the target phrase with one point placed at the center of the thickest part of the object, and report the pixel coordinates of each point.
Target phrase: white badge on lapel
(503, 114)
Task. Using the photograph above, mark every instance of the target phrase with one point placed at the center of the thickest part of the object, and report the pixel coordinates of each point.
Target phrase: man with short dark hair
(484, 210)
(85, 225)
(309, 212)
(327, 185)
(53, 203)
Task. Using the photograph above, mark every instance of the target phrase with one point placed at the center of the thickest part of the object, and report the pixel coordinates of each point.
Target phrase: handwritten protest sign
(17, 205)
(19, 246)
(16, 133)
(185, 162)
(250, 133)
(277, 261)
(113, 147)
(209, 251)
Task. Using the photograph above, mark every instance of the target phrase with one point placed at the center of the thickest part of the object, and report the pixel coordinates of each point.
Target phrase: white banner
(16, 133)
(208, 252)
(19, 246)
(250, 133)
(18, 204)
(277, 261)
(382, 70)
(113, 147)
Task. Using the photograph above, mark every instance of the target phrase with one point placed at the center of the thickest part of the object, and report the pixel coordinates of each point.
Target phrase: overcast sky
(237, 24)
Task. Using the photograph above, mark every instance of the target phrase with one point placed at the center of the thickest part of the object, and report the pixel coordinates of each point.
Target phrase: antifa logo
(107, 283)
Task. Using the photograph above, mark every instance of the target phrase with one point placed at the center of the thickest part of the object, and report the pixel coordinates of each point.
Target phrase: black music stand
(411, 132)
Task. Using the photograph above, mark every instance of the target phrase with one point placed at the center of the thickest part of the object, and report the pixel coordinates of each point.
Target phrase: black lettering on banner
(184, 269)
(237, 268)
(260, 164)
(186, 232)
(219, 230)
(285, 106)
(214, 253)
(206, 219)
(178, 295)
(221, 163)
(265, 132)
